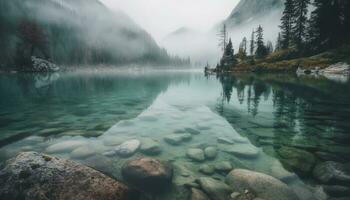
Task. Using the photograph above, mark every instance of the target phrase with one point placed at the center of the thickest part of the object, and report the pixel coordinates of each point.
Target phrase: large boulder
(262, 185)
(300, 161)
(35, 176)
(215, 189)
(332, 173)
(148, 174)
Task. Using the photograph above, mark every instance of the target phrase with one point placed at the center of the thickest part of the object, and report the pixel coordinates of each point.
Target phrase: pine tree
(223, 37)
(269, 47)
(278, 46)
(252, 43)
(242, 53)
(261, 50)
(300, 22)
(325, 24)
(228, 60)
(287, 23)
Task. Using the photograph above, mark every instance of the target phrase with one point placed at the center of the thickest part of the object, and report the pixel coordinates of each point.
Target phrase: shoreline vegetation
(303, 44)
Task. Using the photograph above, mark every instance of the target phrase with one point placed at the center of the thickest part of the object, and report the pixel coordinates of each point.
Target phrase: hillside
(250, 10)
(72, 32)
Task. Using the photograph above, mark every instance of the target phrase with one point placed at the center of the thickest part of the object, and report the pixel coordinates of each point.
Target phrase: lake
(278, 124)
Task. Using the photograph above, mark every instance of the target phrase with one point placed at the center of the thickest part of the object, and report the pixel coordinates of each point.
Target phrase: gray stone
(127, 148)
(262, 185)
(332, 172)
(196, 154)
(150, 147)
(83, 152)
(243, 150)
(206, 169)
(210, 152)
(192, 131)
(148, 174)
(197, 194)
(65, 146)
(34, 176)
(297, 160)
(223, 166)
(215, 189)
(224, 140)
(177, 139)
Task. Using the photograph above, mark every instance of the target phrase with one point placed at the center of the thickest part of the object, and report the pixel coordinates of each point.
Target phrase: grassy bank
(289, 61)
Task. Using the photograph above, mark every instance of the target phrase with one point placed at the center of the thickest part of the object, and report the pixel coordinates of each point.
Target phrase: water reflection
(275, 111)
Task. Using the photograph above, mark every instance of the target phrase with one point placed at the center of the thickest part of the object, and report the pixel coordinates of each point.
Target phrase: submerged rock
(192, 131)
(297, 160)
(197, 194)
(210, 152)
(224, 140)
(177, 139)
(223, 166)
(262, 185)
(243, 150)
(128, 148)
(215, 189)
(332, 172)
(148, 174)
(83, 152)
(34, 176)
(206, 169)
(196, 154)
(66, 146)
(150, 147)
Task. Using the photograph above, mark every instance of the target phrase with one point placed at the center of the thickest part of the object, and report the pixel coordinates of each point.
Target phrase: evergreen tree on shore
(287, 23)
(300, 22)
(278, 46)
(252, 43)
(261, 50)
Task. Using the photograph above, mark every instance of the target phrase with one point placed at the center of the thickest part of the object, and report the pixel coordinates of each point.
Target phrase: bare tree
(223, 38)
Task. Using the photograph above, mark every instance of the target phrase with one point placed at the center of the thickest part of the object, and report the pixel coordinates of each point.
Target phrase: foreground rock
(128, 148)
(196, 154)
(34, 176)
(150, 147)
(332, 173)
(216, 190)
(297, 160)
(262, 185)
(148, 174)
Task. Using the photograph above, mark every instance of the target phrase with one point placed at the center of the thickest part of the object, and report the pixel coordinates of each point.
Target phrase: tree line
(307, 28)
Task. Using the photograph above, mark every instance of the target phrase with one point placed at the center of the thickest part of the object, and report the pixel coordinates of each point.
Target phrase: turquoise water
(83, 116)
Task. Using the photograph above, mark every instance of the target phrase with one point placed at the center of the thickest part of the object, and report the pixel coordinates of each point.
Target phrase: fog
(189, 28)
(161, 17)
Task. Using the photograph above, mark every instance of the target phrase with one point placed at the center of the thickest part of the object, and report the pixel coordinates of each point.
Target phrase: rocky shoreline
(32, 175)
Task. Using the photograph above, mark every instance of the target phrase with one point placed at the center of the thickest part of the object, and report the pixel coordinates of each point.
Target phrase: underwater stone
(197, 194)
(66, 146)
(264, 186)
(206, 169)
(332, 173)
(148, 174)
(192, 131)
(242, 150)
(215, 189)
(128, 148)
(223, 140)
(210, 152)
(82, 152)
(150, 147)
(177, 139)
(223, 166)
(33, 176)
(297, 160)
(196, 154)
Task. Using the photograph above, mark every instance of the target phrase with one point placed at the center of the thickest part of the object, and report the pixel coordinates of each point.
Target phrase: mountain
(249, 10)
(73, 32)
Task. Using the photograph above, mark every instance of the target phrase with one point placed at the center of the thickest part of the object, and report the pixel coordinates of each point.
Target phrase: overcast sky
(160, 17)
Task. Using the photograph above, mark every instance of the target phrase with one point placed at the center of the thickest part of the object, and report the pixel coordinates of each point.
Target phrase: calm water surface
(274, 120)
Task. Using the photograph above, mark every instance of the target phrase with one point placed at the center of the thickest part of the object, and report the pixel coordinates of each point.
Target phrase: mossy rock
(297, 160)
